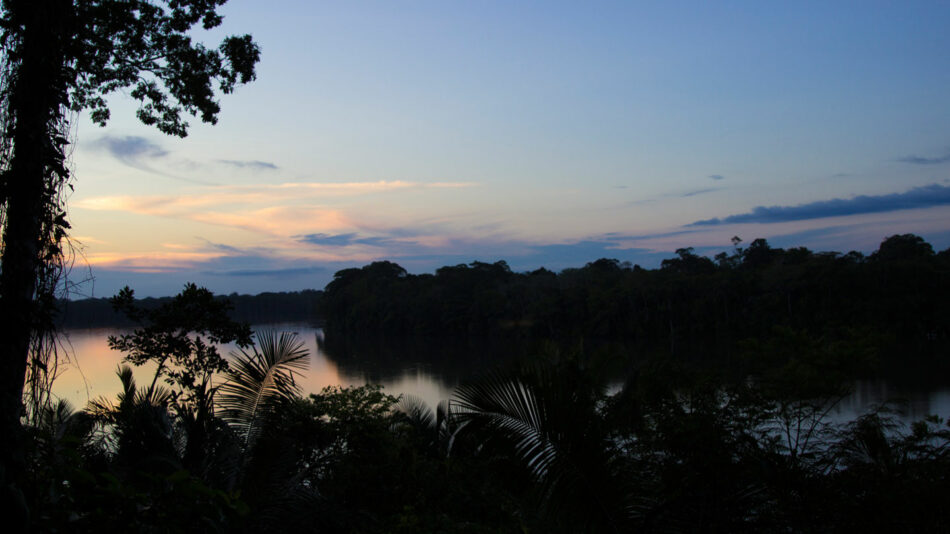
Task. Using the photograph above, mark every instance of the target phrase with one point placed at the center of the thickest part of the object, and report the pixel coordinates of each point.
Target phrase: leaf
(259, 379)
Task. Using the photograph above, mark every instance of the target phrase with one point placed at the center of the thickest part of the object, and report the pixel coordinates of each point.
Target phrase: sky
(540, 133)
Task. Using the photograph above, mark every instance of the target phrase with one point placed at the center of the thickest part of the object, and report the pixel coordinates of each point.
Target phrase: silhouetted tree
(903, 247)
(66, 55)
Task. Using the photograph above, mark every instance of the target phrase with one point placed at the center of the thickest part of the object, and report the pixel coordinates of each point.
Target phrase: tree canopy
(60, 57)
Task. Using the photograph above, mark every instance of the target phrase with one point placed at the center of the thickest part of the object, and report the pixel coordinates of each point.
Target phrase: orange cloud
(150, 262)
(254, 194)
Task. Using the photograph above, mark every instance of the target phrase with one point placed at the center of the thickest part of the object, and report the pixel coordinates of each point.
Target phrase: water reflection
(90, 368)
(911, 404)
(429, 369)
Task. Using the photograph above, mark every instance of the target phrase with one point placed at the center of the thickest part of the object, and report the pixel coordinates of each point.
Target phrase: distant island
(295, 306)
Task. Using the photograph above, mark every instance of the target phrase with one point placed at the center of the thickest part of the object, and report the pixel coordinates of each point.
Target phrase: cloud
(617, 236)
(353, 188)
(131, 149)
(221, 247)
(252, 164)
(684, 194)
(698, 192)
(819, 236)
(328, 240)
(259, 194)
(920, 160)
(345, 240)
(918, 197)
(286, 210)
(137, 152)
(273, 273)
(716, 176)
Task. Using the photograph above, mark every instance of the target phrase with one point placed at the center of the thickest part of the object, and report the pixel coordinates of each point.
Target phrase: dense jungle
(713, 416)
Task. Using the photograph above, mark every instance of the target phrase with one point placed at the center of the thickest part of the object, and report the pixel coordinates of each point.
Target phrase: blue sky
(543, 133)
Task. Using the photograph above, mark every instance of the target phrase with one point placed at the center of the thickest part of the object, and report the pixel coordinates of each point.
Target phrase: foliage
(146, 49)
(139, 425)
(259, 380)
(539, 445)
(179, 338)
(264, 308)
(691, 307)
(535, 447)
(548, 420)
(61, 57)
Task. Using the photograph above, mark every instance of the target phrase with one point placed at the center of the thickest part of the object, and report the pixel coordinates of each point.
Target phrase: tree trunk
(36, 95)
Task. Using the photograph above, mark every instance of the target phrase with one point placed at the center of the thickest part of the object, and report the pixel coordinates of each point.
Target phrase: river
(89, 372)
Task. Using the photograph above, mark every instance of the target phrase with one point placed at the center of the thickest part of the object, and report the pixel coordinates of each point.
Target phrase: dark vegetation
(59, 58)
(893, 301)
(539, 444)
(281, 307)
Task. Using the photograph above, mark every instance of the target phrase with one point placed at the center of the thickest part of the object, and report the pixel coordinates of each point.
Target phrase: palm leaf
(259, 379)
(437, 429)
(128, 398)
(549, 419)
(417, 412)
(509, 409)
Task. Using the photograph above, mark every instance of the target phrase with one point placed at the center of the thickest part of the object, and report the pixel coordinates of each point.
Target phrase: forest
(734, 441)
(891, 302)
(273, 307)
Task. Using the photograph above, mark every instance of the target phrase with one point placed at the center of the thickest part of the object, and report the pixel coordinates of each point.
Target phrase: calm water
(91, 369)
(430, 372)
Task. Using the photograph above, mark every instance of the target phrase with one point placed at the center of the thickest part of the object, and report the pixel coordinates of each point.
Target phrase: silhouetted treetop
(903, 247)
(690, 305)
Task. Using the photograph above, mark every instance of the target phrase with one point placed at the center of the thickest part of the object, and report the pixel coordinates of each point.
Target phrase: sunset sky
(542, 133)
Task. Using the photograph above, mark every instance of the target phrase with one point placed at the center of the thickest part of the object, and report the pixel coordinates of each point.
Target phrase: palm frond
(549, 419)
(417, 412)
(509, 409)
(260, 378)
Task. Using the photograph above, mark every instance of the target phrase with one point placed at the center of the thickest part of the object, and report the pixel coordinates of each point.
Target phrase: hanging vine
(61, 57)
(54, 249)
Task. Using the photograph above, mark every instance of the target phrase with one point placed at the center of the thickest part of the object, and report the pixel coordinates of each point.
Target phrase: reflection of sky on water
(430, 373)
(90, 369)
(910, 405)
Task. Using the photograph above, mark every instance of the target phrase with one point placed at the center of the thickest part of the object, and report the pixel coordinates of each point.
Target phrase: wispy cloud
(681, 194)
(251, 164)
(288, 209)
(352, 188)
(921, 160)
(344, 240)
(716, 176)
(150, 262)
(918, 197)
(271, 273)
(138, 152)
(131, 150)
(696, 192)
(328, 240)
(617, 236)
(260, 194)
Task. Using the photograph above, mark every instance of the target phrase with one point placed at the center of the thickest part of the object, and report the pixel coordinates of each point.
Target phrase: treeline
(533, 446)
(691, 306)
(296, 306)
